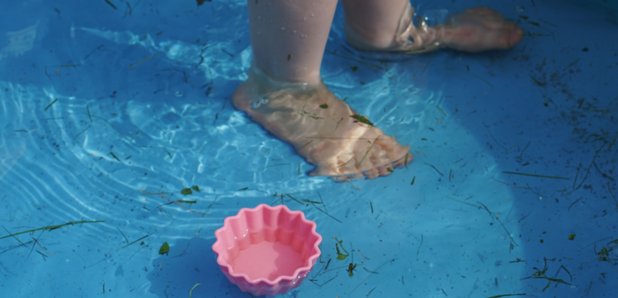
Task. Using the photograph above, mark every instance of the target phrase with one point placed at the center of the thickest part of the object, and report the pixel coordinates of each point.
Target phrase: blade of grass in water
(52, 227)
(535, 175)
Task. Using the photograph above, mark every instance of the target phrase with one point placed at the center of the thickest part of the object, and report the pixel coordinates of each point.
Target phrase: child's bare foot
(473, 30)
(322, 128)
(480, 29)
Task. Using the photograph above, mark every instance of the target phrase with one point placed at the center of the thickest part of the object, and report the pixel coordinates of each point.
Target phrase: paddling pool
(117, 136)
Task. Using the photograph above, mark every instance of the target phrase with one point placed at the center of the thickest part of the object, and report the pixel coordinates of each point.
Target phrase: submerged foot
(322, 128)
(473, 30)
(480, 29)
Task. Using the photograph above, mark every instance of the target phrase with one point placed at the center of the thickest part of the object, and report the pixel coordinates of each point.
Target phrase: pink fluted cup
(267, 250)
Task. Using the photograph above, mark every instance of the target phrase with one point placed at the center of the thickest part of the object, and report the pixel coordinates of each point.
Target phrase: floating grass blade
(52, 227)
(535, 175)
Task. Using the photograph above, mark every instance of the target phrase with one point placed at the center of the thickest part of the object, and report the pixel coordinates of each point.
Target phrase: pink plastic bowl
(267, 250)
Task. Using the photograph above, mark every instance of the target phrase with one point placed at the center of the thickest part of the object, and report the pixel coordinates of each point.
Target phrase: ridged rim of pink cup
(305, 268)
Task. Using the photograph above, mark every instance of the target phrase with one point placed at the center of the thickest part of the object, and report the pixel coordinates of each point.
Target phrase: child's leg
(284, 93)
(377, 24)
(288, 37)
(388, 25)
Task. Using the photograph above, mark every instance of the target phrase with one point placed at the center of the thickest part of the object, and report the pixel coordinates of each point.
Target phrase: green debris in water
(536, 175)
(186, 201)
(189, 190)
(538, 82)
(351, 268)
(508, 295)
(136, 241)
(407, 159)
(164, 249)
(52, 227)
(50, 104)
(361, 119)
(607, 253)
(342, 253)
(603, 254)
(193, 288)
(572, 236)
(112, 154)
(541, 274)
(111, 4)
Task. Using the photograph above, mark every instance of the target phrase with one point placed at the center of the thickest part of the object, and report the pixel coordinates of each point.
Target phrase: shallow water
(107, 111)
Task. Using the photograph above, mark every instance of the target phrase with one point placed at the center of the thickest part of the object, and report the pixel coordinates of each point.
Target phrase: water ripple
(104, 158)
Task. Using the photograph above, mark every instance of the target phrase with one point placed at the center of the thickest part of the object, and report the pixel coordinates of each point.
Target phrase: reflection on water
(19, 42)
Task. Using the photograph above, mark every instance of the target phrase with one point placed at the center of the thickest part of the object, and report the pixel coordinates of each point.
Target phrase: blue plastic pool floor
(109, 109)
